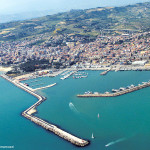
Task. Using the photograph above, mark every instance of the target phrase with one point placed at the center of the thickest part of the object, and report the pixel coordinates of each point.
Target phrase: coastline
(50, 127)
(83, 68)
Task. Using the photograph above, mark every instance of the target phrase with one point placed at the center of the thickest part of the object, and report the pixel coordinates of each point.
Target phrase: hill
(88, 22)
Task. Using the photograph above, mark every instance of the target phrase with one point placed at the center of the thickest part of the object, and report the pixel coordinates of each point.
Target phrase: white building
(139, 63)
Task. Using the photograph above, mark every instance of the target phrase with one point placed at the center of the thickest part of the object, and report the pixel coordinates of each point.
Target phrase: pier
(105, 72)
(118, 93)
(50, 127)
(69, 74)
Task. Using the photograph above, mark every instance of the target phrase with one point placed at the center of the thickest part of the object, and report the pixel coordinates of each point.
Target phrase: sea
(123, 122)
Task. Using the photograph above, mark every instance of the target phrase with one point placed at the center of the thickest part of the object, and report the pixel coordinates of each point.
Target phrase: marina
(67, 75)
(80, 75)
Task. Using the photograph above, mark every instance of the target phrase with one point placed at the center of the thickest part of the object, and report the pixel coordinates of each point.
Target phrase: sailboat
(92, 136)
(98, 115)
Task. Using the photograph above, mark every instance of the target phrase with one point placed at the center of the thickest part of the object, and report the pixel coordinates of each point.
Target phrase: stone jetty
(105, 72)
(119, 93)
(50, 127)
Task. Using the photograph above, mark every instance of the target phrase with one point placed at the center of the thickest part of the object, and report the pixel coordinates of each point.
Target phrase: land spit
(119, 93)
(28, 114)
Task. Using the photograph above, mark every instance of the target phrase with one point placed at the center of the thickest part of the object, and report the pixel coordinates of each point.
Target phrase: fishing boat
(92, 136)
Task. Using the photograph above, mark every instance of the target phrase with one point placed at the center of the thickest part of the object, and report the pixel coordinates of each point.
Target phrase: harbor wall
(117, 93)
(50, 127)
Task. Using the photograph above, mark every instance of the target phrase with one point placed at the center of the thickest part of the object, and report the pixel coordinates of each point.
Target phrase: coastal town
(75, 77)
(65, 51)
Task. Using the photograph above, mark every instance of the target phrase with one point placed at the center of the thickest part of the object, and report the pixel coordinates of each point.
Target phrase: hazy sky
(17, 6)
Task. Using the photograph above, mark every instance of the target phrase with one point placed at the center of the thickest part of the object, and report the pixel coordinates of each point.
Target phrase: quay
(118, 93)
(50, 127)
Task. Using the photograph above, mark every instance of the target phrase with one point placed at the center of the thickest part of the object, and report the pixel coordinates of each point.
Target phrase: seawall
(116, 93)
(50, 127)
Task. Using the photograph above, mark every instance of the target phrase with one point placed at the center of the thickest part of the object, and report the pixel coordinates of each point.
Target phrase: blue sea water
(123, 123)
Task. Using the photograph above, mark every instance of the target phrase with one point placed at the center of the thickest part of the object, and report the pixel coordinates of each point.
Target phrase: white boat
(122, 88)
(92, 136)
(98, 115)
(115, 90)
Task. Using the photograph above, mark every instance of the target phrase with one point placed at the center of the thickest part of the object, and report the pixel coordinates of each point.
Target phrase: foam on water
(73, 108)
(114, 142)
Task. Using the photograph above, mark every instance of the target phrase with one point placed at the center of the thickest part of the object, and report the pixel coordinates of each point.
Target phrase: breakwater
(105, 72)
(50, 127)
(44, 87)
(119, 93)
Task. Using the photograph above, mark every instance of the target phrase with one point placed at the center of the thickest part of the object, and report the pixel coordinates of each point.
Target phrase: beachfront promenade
(28, 114)
(119, 93)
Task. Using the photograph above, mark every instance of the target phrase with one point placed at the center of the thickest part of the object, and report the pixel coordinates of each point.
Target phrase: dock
(68, 75)
(119, 93)
(50, 127)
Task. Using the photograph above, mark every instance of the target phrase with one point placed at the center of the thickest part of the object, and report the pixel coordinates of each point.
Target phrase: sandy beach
(5, 69)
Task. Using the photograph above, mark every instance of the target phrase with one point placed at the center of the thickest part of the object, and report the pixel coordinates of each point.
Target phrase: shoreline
(94, 68)
(50, 127)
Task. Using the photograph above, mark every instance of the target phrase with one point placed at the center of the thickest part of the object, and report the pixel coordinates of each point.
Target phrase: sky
(19, 6)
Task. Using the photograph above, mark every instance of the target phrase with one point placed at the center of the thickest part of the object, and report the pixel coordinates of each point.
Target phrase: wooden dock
(119, 93)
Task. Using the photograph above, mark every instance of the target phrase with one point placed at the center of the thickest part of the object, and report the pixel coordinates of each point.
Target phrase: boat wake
(72, 107)
(114, 142)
